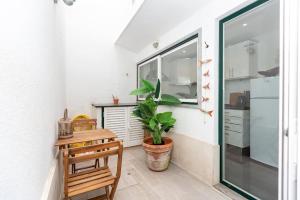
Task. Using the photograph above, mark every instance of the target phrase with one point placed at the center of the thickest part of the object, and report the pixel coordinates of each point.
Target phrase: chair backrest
(81, 116)
(84, 124)
(93, 152)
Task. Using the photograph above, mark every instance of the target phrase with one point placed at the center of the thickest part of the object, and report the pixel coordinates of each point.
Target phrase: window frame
(221, 79)
(195, 40)
(138, 73)
(195, 36)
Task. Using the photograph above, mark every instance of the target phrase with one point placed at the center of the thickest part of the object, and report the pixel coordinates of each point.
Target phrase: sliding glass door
(249, 100)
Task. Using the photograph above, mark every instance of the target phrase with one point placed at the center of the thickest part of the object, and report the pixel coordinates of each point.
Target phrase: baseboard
(53, 185)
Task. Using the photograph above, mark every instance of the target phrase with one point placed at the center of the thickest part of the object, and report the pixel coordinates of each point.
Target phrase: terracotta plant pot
(116, 101)
(158, 156)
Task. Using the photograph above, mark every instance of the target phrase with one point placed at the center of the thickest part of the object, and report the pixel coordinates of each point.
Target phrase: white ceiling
(153, 19)
(262, 20)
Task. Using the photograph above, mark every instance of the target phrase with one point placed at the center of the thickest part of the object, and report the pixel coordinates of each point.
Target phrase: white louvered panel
(135, 129)
(115, 119)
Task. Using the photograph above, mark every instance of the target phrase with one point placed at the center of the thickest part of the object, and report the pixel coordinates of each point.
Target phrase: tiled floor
(139, 183)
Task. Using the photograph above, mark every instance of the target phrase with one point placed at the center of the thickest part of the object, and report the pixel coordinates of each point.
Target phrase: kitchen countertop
(101, 105)
(227, 106)
(104, 105)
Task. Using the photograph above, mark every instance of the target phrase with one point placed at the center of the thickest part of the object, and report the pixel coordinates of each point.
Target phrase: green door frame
(221, 41)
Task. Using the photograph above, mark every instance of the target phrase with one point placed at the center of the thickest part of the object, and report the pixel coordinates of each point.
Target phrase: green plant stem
(157, 136)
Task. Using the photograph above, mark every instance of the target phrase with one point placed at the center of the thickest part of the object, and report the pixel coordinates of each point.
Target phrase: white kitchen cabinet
(119, 119)
(115, 119)
(135, 129)
(240, 60)
(237, 128)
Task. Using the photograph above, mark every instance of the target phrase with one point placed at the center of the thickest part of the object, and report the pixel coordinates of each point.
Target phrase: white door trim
(289, 110)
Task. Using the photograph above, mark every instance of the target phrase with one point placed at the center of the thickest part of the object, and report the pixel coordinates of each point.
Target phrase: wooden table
(86, 136)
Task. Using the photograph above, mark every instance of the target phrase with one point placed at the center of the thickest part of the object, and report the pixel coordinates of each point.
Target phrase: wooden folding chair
(82, 124)
(92, 179)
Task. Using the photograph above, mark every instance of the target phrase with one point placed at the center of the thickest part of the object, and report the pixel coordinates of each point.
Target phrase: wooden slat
(90, 183)
(93, 156)
(86, 175)
(96, 147)
(85, 136)
(91, 188)
(102, 197)
(88, 179)
(86, 172)
(93, 185)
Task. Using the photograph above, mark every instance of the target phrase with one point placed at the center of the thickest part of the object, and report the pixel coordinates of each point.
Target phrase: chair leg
(105, 161)
(113, 189)
(97, 163)
(107, 192)
(73, 168)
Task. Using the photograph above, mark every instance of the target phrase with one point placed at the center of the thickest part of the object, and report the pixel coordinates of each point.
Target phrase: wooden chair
(92, 179)
(82, 123)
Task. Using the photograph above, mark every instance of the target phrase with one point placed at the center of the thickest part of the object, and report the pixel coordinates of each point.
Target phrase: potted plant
(158, 149)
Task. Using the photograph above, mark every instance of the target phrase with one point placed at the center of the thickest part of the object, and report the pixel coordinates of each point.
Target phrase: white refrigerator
(264, 119)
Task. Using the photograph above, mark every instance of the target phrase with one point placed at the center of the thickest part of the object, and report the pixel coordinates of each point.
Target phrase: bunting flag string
(206, 87)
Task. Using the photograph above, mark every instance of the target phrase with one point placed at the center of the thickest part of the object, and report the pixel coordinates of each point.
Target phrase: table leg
(106, 158)
(97, 162)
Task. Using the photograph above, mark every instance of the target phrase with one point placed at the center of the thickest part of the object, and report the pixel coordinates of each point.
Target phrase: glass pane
(251, 101)
(179, 72)
(148, 72)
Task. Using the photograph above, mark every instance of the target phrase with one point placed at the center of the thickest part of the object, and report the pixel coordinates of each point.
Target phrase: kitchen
(251, 101)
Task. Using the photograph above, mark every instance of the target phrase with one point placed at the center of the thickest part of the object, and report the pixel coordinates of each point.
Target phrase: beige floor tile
(139, 183)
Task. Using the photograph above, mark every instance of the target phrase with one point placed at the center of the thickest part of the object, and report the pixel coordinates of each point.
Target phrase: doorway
(249, 99)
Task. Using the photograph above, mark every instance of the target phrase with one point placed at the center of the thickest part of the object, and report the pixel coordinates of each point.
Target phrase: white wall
(191, 121)
(95, 67)
(32, 97)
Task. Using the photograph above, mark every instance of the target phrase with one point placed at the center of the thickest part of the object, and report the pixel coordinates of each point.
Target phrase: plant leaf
(140, 91)
(171, 122)
(152, 124)
(167, 99)
(166, 128)
(137, 113)
(145, 89)
(164, 117)
(146, 111)
(157, 90)
(149, 96)
(148, 85)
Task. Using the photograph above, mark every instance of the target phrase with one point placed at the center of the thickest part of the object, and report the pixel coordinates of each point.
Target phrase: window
(148, 71)
(179, 72)
(176, 67)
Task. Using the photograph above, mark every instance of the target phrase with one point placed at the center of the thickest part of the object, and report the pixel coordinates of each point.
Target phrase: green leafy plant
(146, 111)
